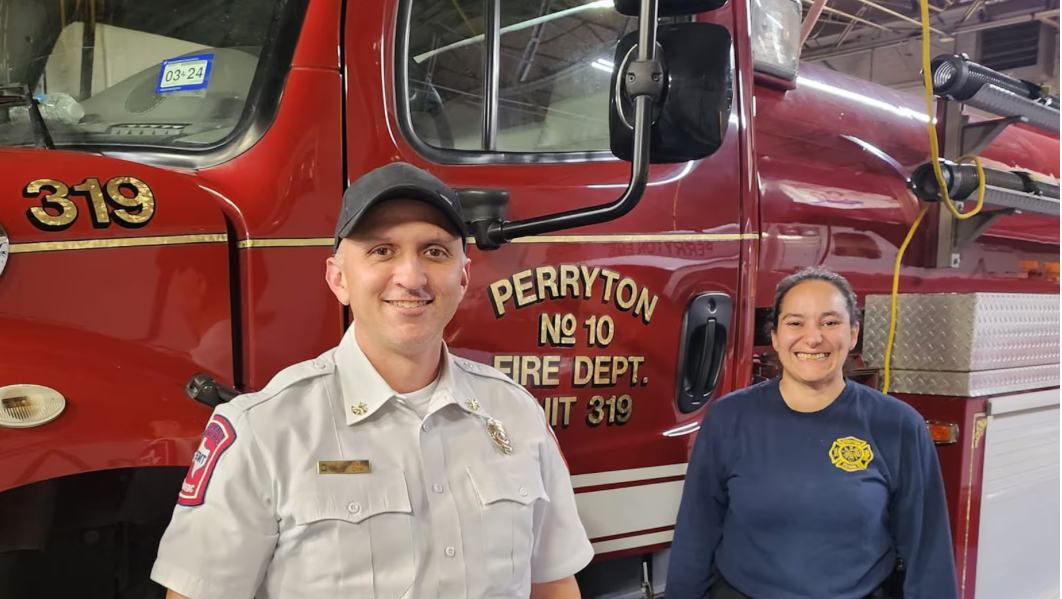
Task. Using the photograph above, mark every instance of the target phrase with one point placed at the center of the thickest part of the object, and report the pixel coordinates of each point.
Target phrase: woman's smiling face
(814, 333)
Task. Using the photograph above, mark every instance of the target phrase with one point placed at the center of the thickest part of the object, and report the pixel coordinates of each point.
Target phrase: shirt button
(450, 552)
(318, 365)
(523, 491)
(424, 427)
(354, 507)
(437, 488)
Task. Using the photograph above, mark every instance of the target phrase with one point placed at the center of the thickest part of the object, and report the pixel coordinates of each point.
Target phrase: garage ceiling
(848, 26)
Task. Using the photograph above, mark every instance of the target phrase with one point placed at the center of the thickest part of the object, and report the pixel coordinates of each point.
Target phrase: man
(386, 467)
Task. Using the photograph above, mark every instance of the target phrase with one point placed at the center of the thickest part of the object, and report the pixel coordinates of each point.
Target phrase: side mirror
(673, 113)
(669, 8)
(690, 118)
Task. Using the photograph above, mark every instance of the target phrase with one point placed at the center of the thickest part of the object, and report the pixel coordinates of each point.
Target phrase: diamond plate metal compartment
(974, 384)
(963, 332)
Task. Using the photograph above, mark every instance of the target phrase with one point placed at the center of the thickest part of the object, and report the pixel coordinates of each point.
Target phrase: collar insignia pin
(472, 404)
(360, 409)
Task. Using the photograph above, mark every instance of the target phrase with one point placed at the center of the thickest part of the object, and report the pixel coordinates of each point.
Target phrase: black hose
(957, 77)
(962, 182)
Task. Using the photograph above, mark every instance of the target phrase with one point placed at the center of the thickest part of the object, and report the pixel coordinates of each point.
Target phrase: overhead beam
(810, 20)
(826, 54)
(851, 25)
(976, 4)
(1036, 16)
(834, 11)
(899, 15)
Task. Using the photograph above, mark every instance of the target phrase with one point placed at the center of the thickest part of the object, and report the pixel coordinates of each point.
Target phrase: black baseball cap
(397, 180)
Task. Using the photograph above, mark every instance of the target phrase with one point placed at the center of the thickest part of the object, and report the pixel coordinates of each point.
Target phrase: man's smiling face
(403, 272)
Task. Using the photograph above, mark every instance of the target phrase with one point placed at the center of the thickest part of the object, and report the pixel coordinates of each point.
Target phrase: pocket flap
(507, 480)
(353, 498)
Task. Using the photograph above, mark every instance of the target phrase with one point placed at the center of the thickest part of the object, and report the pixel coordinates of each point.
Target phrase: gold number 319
(57, 212)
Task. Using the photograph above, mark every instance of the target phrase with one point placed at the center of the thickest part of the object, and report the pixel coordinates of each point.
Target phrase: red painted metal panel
(287, 186)
(289, 314)
(961, 464)
(119, 343)
(827, 202)
(318, 45)
(181, 208)
(745, 89)
(647, 549)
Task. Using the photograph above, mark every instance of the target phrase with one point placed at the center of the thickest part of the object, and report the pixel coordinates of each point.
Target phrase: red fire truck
(170, 175)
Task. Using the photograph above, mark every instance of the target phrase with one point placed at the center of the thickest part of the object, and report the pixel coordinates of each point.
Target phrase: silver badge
(497, 434)
(5, 248)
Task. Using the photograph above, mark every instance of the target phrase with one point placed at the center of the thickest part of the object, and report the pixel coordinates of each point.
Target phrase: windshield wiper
(19, 95)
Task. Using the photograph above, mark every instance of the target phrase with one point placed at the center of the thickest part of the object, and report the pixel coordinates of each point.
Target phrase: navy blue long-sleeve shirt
(795, 505)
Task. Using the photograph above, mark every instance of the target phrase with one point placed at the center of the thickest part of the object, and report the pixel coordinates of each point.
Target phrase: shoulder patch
(218, 436)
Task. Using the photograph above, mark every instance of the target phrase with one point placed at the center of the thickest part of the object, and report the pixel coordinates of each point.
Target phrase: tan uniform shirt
(327, 484)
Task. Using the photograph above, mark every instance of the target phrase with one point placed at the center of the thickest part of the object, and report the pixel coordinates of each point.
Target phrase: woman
(812, 486)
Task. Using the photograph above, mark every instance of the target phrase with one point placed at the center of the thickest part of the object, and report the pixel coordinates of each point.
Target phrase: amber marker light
(943, 433)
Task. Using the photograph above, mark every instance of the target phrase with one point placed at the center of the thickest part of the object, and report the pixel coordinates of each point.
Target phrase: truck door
(114, 255)
(624, 330)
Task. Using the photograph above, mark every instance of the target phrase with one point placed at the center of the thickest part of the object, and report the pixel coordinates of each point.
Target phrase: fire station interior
(94, 67)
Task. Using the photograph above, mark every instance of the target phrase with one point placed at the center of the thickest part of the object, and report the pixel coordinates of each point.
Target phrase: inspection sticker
(187, 73)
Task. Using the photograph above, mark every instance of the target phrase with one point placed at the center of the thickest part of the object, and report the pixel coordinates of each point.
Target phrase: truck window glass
(555, 74)
(164, 73)
(555, 69)
(446, 72)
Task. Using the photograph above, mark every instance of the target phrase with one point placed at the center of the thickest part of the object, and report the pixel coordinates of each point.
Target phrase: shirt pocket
(356, 535)
(507, 491)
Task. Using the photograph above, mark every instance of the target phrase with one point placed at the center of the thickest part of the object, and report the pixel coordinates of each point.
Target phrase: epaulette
(285, 379)
(482, 370)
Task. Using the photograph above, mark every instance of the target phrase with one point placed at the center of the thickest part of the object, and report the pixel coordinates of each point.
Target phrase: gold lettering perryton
(529, 287)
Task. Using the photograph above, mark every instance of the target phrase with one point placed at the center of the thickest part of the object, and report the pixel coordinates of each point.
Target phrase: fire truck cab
(638, 177)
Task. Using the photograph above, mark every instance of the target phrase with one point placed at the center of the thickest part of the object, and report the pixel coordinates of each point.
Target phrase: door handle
(706, 361)
(702, 355)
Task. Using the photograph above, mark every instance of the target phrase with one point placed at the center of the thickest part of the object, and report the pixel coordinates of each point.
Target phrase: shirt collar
(364, 391)
(458, 389)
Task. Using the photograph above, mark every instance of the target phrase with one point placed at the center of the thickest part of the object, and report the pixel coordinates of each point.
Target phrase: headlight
(25, 406)
(776, 37)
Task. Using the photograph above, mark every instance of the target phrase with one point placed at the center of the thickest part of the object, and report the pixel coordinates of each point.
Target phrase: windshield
(167, 73)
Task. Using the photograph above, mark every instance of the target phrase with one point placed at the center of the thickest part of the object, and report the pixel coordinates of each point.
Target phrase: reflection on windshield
(520, 26)
(141, 72)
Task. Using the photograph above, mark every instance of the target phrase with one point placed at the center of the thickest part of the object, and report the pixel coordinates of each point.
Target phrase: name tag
(344, 467)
